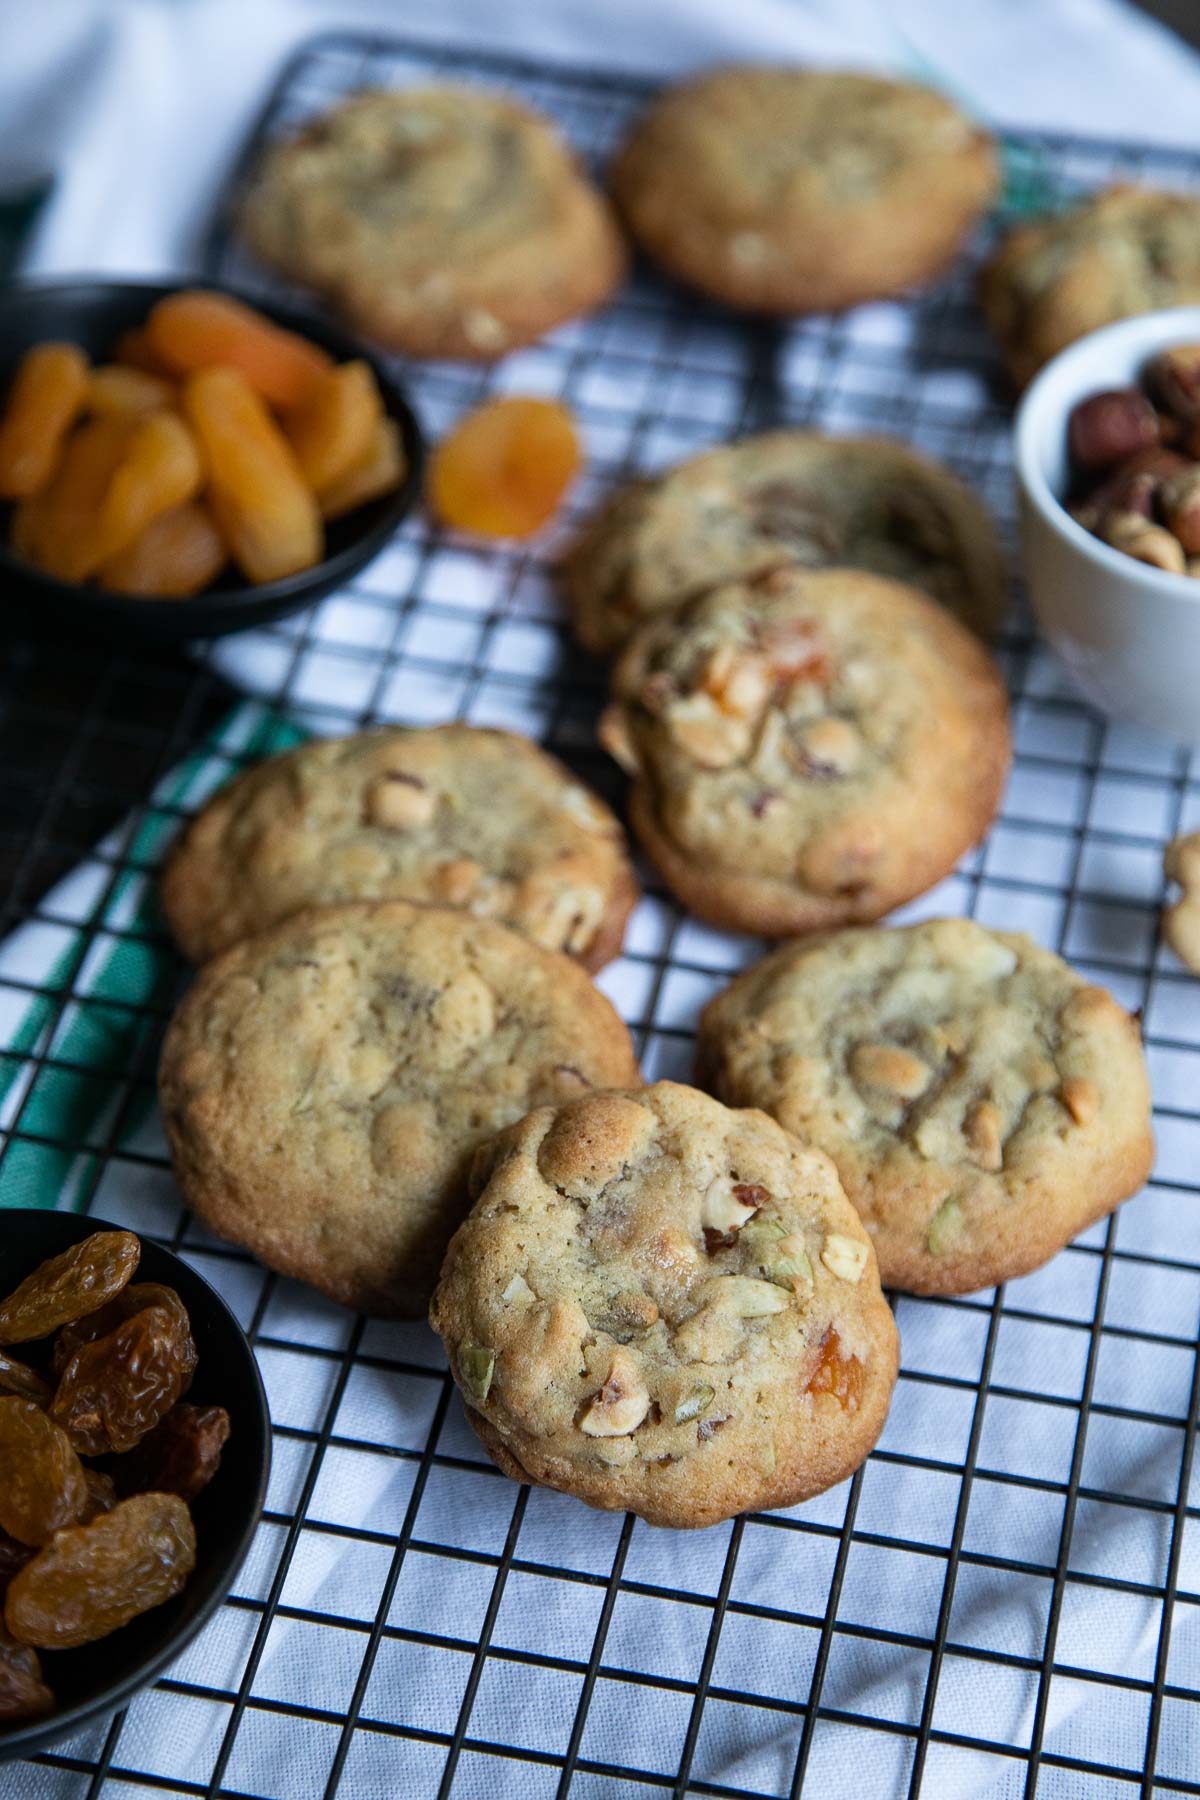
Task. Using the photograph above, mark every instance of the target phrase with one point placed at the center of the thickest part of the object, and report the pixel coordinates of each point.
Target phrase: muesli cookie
(809, 748)
(661, 1305)
(982, 1101)
(784, 496)
(802, 190)
(443, 221)
(453, 815)
(1123, 251)
(325, 1084)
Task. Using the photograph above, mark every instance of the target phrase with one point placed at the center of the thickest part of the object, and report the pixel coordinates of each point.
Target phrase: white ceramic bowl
(1128, 633)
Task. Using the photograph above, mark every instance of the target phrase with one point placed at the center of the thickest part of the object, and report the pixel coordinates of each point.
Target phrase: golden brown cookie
(1124, 251)
(809, 748)
(660, 1305)
(784, 496)
(983, 1102)
(443, 221)
(453, 815)
(325, 1084)
(802, 190)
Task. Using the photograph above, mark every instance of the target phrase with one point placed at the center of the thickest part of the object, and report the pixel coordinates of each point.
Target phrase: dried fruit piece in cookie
(1122, 251)
(983, 1103)
(445, 221)
(808, 748)
(801, 190)
(325, 1084)
(784, 497)
(662, 1304)
(454, 815)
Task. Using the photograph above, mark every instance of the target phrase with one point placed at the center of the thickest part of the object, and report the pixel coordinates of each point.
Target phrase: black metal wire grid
(1006, 1598)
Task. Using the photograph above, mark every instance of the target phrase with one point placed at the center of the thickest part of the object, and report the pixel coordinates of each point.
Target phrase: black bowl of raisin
(135, 1447)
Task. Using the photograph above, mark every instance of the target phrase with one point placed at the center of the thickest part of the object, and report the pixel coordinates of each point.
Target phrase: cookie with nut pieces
(453, 815)
(1123, 251)
(983, 1103)
(802, 190)
(443, 221)
(662, 1305)
(325, 1084)
(783, 497)
(808, 748)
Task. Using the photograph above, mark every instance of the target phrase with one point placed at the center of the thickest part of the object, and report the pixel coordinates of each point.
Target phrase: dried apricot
(55, 530)
(68, 1286)
(196, 330)
(180, 1456)
(841, 1376)
(18, 1378)
(133, 351)
(160, 469)
(335, 428)
(115, 1390)
(178, 554)
(44, 401)
(132, 1299)
(89, 1580)
(381, 470)
(23, 1693)
(117, 389)
(504, 468)
(42, 1486)
(262, 503)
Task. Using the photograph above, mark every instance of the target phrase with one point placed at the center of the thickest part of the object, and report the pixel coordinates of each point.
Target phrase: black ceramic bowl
(102, 1676)
(93, 314)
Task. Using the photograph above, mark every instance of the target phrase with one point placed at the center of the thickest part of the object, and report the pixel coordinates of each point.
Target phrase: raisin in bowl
(101, 1676)
(1127, 631)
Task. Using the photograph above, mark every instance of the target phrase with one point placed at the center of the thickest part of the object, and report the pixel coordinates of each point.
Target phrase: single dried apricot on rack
(178, 554)
(504, 468)
(44, 401)
(196, 329)
(841, 1376)
(89, 1580)
(264, 508)
(381, 470)
(160, 469)
(113, 388)
(23, 1693)
(115, 1390)
(67, 1287)
(55, 530)
(42, 1486)
(335, 428)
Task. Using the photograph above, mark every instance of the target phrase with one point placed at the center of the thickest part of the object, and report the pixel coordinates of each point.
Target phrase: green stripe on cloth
(73, 1108)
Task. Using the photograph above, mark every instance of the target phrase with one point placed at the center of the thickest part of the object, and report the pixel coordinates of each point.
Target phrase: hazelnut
(1106, 427)
(845, 1257)
(1131, 486)
(1144, 541)
(622, 1402)
(1180, 500)
(1173, 377)
(398, 802)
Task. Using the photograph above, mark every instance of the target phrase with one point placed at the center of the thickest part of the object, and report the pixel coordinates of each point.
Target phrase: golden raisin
(841, 1376)
(115, 1390)
(23, 1693)
(42, 1486)
(180, 1456)
(132, 1299)
(68, 1286)
(504, 469)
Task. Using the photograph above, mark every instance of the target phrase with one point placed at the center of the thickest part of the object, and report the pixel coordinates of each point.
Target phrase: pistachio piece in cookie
(809, 748)
(681, 1310)
(983, 1103)
(452, 816)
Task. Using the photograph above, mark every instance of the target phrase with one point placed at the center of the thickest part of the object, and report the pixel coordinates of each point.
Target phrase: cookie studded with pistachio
(443, 221)
(783, 497)
(983, 1102)
(325, 1084)
(662, 1305)
(802, 190)
(809, 748)
(453, 816)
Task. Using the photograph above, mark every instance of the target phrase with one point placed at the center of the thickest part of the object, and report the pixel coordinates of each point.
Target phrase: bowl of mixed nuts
(1107, 453)
(134, 1454)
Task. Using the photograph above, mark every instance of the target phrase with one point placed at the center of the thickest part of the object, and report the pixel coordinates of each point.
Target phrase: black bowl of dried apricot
(179, 462)
(135, 1445)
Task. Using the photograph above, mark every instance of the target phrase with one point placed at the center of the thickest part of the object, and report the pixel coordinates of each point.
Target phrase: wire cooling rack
(1006, 1598)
